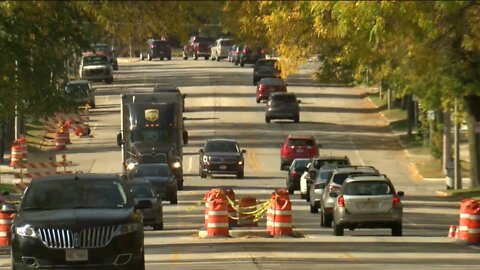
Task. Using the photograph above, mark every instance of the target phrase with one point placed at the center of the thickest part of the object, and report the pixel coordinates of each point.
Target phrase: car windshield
(266, 63)
(300, 142)
(95, 60)
(103, 48)
(324, 175)
(67, 194)
(160, 43)
(322, 162)
(145, 170)
(77, 89)
(272, 81)
(226, 43)
(204, 40)
(300, 164)
(339, 178)
(151, 135)
(222, 146)
(141, 190)
(284, 98)
(367, 188)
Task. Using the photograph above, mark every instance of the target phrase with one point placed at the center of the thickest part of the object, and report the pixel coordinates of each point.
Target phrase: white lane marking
(357, 153)
(190, 163)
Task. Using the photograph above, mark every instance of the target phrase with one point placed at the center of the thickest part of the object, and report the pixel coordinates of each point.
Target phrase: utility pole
(456, 139)
(447, 162)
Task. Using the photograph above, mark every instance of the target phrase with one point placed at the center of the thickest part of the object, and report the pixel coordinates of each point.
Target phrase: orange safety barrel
(473, 236)
(5, 225)
(65, 128)
(232, 214)
(282, 217)
(270, 214)
(16, 156)
(466, 206)
(24, 145)
(247, 205)
(209, 197)
(60, 141)
(282, 192)
(218, 218)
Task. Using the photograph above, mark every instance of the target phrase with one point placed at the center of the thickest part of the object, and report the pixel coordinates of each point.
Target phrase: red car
(297, 147)
(269, 85)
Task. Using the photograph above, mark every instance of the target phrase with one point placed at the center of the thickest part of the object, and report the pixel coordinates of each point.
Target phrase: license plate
(299, 150)
(368, 205)
(223, 167)
(76, 255)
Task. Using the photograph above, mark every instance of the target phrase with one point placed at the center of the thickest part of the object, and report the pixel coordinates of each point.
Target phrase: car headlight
(26, 231)
(240, 162)
(205, 158)
(131, 166)
(176, 165)
(126, 228)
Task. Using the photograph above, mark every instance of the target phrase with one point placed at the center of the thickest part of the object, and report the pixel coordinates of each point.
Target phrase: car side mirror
(244, 151)
(299, 101)
(184, 96)
(200, 150)
(333, 194)
(401, 193)
(8, 208)
(119, 139)
(144, 204)
(286, 168)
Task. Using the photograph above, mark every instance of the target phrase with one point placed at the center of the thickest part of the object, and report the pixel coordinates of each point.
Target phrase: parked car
(317, 187)
(281, 105)
(265, 68)
(142, 190)
(232, 53)
(367, 202)
(80, 92)
(266, 86)
(161, 178)
(156, 48)
(198, 46)
(221, 156)
(297, 146)
(221, 48)
(77, 221)
(251, 54)
(296, 169)
(95, 67)
(334, 184)
(107, 50)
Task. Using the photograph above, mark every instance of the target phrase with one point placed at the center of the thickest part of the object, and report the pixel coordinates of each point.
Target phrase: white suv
(220, 48)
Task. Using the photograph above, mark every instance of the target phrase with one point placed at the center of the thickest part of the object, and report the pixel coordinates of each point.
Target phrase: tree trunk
(410, 115)
(473, 106)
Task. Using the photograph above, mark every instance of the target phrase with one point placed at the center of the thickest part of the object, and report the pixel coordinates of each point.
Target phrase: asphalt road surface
(221, 103)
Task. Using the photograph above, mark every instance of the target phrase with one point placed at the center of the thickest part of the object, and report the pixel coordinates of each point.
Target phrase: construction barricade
(5, 225)
(473, 236)
(247, 209)
(209, 198)
(16, 157)
(466, 207)
(281, 217)
(217, 224)
(232, 213)
(60, 141)
(24, 146)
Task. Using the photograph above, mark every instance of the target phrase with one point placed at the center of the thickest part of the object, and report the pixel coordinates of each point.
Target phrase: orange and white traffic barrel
(282, 217)
(232, 214)
(65, 128)
(218, 218)
(247, 208)
(60, 141)
(5, 224)
(269, 224)
(473, 236)
(24, 145)
(209, 197)
(16, 156)
(282, 192)
(466, 206)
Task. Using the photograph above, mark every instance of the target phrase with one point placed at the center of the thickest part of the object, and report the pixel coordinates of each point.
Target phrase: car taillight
(245, 52)
(316, 186)
(237, 52)
(396, 200)
(153, 46)
(262, 51)
(293, 174)
(341, 201)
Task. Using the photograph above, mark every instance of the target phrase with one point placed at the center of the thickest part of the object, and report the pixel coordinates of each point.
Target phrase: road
(221, 103)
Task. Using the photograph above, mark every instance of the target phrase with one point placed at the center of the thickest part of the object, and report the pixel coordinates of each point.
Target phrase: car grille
(87, 238)
(156, 158)
(223, 159)
(94, 71)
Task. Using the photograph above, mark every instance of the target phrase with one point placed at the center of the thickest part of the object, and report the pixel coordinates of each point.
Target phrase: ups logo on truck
(152, 115)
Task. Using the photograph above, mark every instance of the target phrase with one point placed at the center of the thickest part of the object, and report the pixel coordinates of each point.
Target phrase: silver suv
(334, 184)
(367, 202)
(95, 67)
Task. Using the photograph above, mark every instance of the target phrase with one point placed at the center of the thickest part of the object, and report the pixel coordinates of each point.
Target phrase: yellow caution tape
(197, 204)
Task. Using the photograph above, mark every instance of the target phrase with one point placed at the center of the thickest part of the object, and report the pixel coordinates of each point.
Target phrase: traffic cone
(452, 232)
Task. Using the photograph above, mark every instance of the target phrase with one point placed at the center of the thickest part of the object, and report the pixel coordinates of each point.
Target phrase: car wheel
(161, 58)
(174, 200)
(258, 100)
(92, 105)
(313, 208)
(296, 119)
(149, 57)
(240, 175)
(291, 191)
(158, 227)
(138, 264)
(203, 175)
(115, 68)
(325, 220)
(337, 229)
(255, 81)
(180, 185)
(242, 64)
(397, 230)
(206, 57)
(267, 120)
(169, 58)
(141, 57)
(218, 59)
(109, 81)
(307, 197)
(185, 57)
(302, 196)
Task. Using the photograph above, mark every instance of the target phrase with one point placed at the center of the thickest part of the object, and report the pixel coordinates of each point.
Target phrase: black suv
(281, 105)
(265, 68)
(156, 48)
(221, 156)
(78, 221)
(251, 54)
